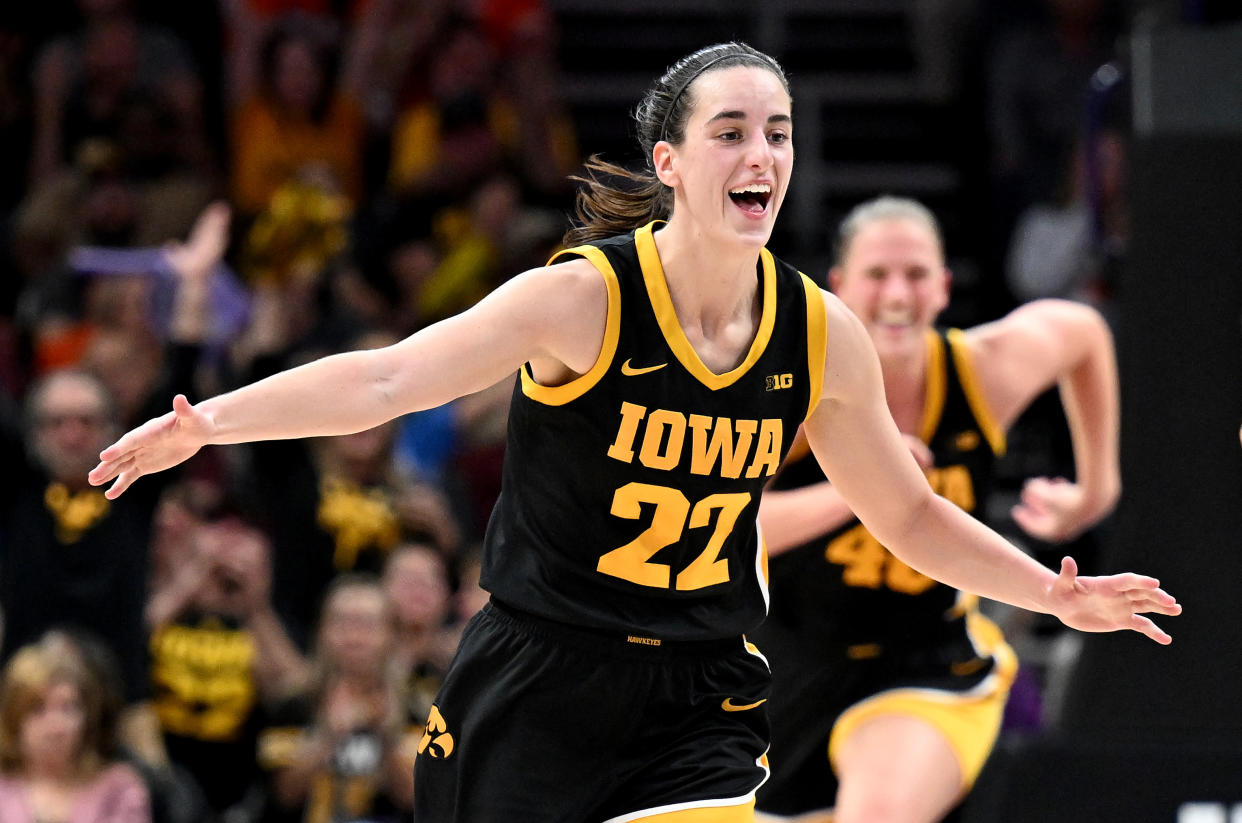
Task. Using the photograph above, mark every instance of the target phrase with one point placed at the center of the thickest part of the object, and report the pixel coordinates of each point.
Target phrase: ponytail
(604, 208)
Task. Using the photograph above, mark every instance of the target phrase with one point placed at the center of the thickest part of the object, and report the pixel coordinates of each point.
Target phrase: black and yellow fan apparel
(854, 632)
(610, 677)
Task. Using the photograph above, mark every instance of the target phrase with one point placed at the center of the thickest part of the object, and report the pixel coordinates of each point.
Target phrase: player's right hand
(154, 446)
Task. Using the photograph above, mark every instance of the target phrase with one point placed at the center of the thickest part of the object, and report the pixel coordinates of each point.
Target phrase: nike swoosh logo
(729, 706)
(630, 371)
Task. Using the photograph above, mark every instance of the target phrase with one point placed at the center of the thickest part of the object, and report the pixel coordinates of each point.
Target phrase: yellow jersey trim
(666, 314)
(566, 392)
(933, 396)
(974, 392)
(816, 340)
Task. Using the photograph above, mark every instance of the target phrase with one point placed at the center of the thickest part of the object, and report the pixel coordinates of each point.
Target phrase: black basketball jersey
(630, 495)
(847, 587)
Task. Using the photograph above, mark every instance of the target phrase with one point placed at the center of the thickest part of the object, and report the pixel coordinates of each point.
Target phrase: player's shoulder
(1034, 325)
(563, 278)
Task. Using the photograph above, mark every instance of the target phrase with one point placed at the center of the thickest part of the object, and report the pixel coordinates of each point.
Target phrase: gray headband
(673, 103)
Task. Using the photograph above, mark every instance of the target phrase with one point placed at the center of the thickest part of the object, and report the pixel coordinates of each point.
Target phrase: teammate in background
(663, 369)
(891, 682)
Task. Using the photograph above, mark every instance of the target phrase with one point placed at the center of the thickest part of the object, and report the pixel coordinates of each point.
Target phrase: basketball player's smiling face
(732, 169)
(894, 279)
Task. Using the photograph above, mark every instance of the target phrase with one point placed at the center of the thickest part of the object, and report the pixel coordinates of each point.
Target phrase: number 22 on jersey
(672, 515)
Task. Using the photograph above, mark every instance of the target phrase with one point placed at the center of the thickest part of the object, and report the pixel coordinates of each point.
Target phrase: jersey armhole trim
(933, 402)
(567, 392)
(816, 341)
(974, 392)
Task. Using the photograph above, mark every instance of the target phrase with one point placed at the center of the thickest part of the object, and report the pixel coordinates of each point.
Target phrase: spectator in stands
(175, 796)
(86, 82)
(344, 748)
(69, 552)
(55, 751)
(467, 126)
(416, 582)
(299, 120)
(523, 34)
(219, 653)
(71, 556)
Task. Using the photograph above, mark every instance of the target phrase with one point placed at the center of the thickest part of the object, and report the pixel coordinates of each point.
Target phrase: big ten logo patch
(778, 381)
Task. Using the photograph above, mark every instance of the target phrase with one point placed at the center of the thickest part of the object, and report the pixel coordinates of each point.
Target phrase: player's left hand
(1110, 603)
(1052, 509)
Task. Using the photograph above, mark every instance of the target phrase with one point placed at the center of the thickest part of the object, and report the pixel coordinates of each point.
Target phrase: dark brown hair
(613, 199)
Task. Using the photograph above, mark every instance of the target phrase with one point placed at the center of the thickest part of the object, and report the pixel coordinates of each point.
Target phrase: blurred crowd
(194, 198)
(198, 194)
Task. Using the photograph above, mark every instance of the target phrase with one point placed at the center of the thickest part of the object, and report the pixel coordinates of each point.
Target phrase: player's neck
(713, 282)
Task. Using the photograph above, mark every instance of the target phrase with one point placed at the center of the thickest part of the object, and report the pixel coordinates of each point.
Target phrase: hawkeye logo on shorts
(729, 706)
(773, 382)
(436, 742)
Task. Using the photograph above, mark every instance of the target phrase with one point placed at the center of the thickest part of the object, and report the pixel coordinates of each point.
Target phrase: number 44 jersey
(630, 494)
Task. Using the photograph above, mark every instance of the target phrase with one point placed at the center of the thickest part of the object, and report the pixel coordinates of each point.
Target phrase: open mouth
(752, 199)
(892, 325)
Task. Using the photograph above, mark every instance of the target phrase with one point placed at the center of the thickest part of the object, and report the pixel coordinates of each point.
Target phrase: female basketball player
(662, 374)
(894, 678)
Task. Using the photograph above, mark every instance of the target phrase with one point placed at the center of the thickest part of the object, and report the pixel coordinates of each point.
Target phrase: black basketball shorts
(541, 722)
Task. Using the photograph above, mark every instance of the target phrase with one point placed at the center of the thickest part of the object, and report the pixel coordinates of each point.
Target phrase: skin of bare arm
(791, 517)
(552, 317)
(865, 458)
(1036, 346)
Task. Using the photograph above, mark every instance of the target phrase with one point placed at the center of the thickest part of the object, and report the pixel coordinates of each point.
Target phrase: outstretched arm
(551, 317)
(1036, 346)
(864, 456)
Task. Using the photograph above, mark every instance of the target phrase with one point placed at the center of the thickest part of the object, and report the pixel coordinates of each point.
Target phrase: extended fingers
(114, 452)
(1144, 626)
(105, 471)
(126, 474)
(1144, 593)
(1129, 581)
(142, 435)
(120, 449)
(1154, 601)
